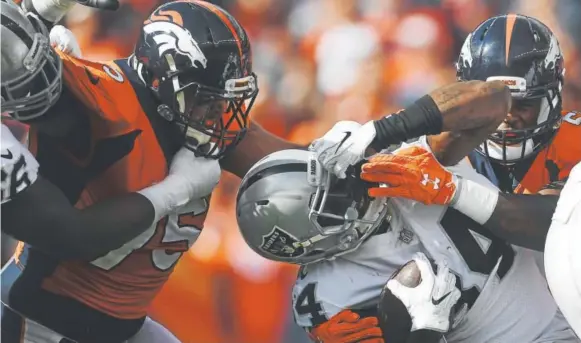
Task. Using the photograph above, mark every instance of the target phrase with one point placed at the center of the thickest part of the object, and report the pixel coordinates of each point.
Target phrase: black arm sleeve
(43, 217)
(421, 118)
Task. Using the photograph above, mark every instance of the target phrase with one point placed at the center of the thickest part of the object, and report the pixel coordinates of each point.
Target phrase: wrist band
(475, 200)
(423, 117)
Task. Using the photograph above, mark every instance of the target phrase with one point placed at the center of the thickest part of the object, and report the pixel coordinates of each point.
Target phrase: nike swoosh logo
(438, 301)
(347, 135)
(8, 155)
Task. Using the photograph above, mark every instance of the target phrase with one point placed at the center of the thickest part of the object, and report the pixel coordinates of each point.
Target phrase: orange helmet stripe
(510, 21)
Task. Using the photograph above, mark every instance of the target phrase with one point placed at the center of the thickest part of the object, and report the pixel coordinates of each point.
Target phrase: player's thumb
(199, 174)
(347, 316)
(206, 176)
(398, 290)
(63, 39)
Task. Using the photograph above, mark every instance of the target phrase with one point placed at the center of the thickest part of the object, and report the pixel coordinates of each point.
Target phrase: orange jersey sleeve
(102, 87)
(555, 162)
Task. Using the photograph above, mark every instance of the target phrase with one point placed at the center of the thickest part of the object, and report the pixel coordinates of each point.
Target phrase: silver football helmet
(283, 218)
(31, 69)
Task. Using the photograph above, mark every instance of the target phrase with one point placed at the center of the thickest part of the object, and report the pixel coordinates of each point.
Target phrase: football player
(21, 181)
(528, 157)
(562, 257)
(350, 244)
(72, 233)
(71, 163)
(113, 129)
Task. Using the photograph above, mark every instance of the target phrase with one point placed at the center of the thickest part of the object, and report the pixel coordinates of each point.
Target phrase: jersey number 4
(306, 304)
(479, 248)
(166, 241)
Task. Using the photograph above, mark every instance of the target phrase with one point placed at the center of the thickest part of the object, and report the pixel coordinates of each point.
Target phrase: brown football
(408, 275)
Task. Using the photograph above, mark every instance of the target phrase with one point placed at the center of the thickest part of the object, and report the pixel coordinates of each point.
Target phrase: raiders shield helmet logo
(281, 243)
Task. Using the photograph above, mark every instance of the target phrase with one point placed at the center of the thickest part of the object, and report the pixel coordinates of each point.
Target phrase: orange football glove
(347, 327)
(412, 173)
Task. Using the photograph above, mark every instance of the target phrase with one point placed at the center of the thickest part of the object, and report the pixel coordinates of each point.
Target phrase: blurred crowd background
(317, 61)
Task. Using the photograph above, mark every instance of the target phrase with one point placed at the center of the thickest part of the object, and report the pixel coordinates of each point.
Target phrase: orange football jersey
(557, 159)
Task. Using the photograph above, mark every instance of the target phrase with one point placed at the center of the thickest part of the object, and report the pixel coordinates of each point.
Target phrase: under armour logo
(427, 180)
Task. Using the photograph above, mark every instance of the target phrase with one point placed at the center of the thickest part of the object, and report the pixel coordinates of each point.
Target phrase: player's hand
(198, 175)
(430, 303)
(343, 146)
(348, 327)
(412, 173)
(109, 5)
(63, 39)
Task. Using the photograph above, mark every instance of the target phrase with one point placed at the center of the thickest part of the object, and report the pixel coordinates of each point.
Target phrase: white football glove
(430, 303)
(54, 10)
(189, 178)
(343, 146)
(63, 39)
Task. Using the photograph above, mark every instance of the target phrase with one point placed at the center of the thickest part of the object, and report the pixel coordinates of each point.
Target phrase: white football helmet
(283, 218)
(31, 69)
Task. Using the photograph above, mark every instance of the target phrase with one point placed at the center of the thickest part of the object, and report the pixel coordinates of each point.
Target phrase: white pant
(562, 252)
(563, 269)
(558, 331)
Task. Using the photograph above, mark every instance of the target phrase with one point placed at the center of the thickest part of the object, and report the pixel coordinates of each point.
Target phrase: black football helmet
(196, 58)
(525, 54)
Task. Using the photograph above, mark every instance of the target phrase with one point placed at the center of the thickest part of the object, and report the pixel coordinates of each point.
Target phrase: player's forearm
(520, 219)
(461, 106)
(108, 225)
(257, 144)
(43, 217)
(472, 105)
(523, 220)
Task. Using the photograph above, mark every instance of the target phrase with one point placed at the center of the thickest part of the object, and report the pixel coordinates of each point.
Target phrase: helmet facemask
(214, 120)
(30, 87)
(531, 64)
(510, 146)
(340, 209)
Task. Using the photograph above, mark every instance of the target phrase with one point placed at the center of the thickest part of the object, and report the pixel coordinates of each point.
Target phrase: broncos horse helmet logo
(170, 36)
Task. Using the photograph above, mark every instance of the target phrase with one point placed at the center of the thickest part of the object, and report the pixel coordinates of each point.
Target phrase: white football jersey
(505, 295)
(19, 167)
(562, 253)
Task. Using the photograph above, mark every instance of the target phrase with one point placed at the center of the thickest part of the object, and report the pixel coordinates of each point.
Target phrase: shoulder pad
(567, 142)
(19, 167)
(102, 87)
(572, 117)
